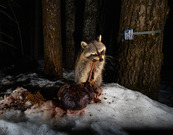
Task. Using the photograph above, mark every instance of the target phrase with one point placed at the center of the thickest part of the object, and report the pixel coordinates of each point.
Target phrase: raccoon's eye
(102, 52)
(92, 55)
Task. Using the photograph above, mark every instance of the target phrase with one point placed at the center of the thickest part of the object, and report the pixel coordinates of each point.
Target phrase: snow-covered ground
(120, 109)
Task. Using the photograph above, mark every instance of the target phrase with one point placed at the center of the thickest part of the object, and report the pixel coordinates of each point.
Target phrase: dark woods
(25, 29)
(21, 31)
(80, 20)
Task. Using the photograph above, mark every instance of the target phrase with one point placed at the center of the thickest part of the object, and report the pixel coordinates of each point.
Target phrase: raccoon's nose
(101, 59)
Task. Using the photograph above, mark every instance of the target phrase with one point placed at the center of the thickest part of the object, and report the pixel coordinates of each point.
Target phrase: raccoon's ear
(84, 44)
(100, 38)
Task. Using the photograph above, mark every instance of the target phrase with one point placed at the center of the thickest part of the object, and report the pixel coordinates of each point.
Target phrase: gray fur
(83, 63)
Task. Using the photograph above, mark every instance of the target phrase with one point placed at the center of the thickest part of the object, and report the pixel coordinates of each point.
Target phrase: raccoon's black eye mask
(102, 52)
(97, 54)
(92, 56)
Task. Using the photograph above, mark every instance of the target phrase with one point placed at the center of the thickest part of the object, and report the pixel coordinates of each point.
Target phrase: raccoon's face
(95, 50)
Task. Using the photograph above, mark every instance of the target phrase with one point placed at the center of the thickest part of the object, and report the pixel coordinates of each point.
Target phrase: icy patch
(68, 74)
(34, 80)
(24, 77)
(6, 80)
(26, 128)
(119, 108)
(44, 82)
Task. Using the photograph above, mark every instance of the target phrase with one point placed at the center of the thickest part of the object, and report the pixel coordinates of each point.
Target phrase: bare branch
(8, 44)
(3, 6)
(20, 35)
(7, 35)
(8, 16)
(15, 3)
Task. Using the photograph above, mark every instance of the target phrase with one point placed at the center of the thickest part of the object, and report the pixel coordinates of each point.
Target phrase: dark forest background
(21, 33)
(29, 16)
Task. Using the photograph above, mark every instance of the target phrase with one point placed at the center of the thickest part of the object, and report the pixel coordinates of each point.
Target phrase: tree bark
(140, 59)
(70, 28)
(52, 37)
(90, 20)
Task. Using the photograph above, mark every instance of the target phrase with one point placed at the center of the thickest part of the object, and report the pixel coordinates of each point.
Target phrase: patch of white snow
(120, 108)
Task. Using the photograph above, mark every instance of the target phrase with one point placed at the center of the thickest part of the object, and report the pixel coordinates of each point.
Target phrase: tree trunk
(90, 20)
(70, 28)
(140, 59)
(52, 37)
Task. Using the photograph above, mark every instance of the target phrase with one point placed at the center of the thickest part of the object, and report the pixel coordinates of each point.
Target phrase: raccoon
(94, 51)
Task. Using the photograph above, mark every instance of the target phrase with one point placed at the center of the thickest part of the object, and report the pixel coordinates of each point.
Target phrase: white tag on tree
(128, 34)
